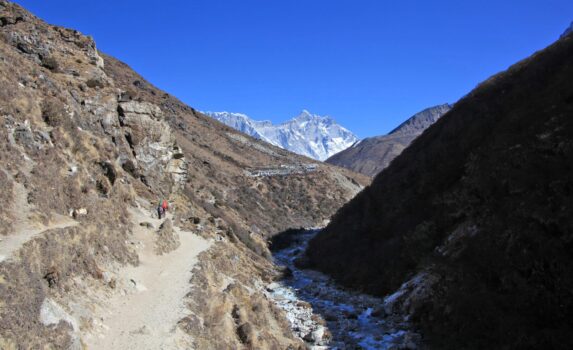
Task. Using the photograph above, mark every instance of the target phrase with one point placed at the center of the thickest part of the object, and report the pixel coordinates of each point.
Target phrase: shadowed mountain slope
(471, 225)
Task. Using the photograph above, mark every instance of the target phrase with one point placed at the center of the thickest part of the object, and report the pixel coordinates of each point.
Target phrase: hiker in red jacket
(164, 206)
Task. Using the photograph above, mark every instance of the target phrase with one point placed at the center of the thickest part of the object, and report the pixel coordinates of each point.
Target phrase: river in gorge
(328, 316)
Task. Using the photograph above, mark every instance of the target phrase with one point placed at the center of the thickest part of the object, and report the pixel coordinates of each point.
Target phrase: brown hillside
(84, 143)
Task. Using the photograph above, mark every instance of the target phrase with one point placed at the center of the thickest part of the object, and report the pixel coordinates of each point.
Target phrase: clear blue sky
(370, 64)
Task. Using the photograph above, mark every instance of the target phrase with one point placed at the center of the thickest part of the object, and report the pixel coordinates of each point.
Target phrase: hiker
(162, 208)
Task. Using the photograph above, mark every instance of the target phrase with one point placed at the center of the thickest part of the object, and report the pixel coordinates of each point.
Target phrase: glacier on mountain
(307, 134)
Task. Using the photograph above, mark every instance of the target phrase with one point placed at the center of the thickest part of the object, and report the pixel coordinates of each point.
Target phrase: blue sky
(370, 64)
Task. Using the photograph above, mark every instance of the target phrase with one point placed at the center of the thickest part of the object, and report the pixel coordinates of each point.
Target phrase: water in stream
(326, 316)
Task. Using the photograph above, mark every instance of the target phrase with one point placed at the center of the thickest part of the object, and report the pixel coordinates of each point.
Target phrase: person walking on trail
(162, 208)
(159, 209)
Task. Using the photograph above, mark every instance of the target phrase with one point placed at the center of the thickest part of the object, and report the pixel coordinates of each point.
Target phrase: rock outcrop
(152, 144)
(167, 239)
(469, 230)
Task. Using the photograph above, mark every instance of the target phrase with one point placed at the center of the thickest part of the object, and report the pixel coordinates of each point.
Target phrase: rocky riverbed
(325, 315)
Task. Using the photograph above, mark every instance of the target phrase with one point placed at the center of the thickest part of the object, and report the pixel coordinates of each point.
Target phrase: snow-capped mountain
(308, 134)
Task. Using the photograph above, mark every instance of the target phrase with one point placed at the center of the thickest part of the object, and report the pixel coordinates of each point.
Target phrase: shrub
(54, 113)
(50, 63)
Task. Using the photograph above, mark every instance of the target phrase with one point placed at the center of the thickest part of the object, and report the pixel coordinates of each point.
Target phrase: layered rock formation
(468, 231)
(83, 140)
(373, 154)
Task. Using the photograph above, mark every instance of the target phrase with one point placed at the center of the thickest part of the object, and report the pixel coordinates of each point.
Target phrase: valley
(451, 232)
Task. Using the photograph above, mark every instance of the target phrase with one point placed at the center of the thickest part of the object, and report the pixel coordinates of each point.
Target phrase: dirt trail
(25, 229)
(147, 318)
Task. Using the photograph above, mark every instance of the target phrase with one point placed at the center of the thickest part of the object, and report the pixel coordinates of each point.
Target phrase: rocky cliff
(468, 231)
(87, 148)
(373, 154)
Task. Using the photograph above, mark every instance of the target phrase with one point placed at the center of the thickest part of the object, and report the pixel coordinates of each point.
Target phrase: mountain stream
(326, 316)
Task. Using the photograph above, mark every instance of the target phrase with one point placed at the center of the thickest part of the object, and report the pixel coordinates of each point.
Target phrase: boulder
(75, 213)
(51, 313)
(146, 224)
(167, 239)
(411, 295)
(319, 336)
(245, 333)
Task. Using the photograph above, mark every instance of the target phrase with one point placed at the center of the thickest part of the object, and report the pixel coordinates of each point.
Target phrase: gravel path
(147, 318)
(24, 229)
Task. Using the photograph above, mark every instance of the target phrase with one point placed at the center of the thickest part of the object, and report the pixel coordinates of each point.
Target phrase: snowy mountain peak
(312, 135)
(306, 117)
(304, 114)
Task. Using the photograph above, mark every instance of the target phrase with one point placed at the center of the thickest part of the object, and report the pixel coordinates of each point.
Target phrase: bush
(50, 63)
(54, 113)
(95, 83)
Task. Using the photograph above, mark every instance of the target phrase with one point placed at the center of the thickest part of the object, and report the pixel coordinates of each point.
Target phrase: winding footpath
(25, 230)
(147, 318)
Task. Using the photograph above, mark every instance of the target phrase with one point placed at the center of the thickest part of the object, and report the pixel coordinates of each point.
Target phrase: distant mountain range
(307, 134)
(373, 154)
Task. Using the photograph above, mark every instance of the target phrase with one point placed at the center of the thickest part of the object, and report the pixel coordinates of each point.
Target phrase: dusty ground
(147, 318)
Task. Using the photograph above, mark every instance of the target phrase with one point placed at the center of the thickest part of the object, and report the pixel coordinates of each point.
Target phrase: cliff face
(470, 226)
(373, 154)
(84, 141)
